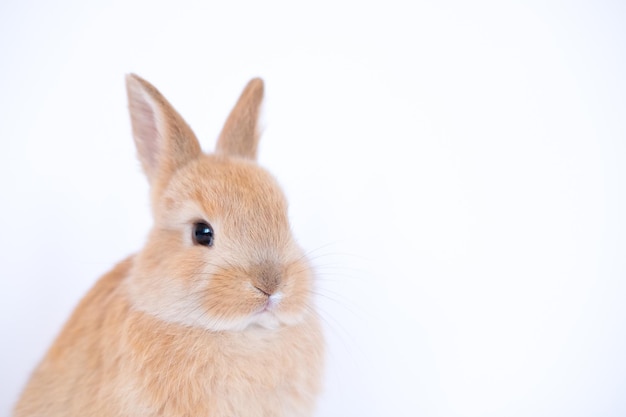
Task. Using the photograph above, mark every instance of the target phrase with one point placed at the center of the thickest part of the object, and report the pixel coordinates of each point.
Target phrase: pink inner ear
(145, 131)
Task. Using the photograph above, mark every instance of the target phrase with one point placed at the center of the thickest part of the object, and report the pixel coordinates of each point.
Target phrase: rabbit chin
(269, 320)
(193, 316)
(265, 320)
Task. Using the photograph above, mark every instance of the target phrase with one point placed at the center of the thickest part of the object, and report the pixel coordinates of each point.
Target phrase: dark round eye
(202, 234)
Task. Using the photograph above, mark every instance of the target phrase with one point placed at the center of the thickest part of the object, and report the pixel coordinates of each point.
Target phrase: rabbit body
(192, 326)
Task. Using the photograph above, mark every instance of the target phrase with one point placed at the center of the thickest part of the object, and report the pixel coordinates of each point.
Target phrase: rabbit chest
(179, 371)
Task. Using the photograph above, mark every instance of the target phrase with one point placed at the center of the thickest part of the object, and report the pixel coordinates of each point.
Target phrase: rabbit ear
(240, 135)
(163, 139)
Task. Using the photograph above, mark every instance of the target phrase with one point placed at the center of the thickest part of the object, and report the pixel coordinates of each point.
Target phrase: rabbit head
(220, 255)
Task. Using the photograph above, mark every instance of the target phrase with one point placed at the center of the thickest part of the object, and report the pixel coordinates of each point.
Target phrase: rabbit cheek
(228, 301)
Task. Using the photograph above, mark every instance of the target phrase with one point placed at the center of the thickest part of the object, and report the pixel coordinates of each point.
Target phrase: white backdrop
(457, 170)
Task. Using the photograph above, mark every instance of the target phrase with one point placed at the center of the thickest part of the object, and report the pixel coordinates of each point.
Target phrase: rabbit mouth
(270, 305)
(268, 314)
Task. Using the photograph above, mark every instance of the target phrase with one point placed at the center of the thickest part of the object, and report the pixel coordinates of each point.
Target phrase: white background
(457, 170)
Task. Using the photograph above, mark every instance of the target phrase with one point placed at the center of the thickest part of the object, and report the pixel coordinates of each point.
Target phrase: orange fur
(181, 329)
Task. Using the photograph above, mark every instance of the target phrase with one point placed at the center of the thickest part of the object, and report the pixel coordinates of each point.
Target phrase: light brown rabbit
(214, 316)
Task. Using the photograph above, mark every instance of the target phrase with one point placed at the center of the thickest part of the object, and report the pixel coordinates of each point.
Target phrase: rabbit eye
(202, 234)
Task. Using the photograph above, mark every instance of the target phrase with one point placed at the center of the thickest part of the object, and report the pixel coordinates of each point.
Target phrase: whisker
(332, 325)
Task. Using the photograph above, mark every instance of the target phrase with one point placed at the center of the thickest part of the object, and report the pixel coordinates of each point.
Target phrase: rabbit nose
(267, 278)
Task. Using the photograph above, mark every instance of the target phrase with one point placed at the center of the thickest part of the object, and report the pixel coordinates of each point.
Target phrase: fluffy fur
(181, 329)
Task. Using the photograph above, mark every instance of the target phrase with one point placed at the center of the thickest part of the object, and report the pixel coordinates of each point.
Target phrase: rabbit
(214, 316)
